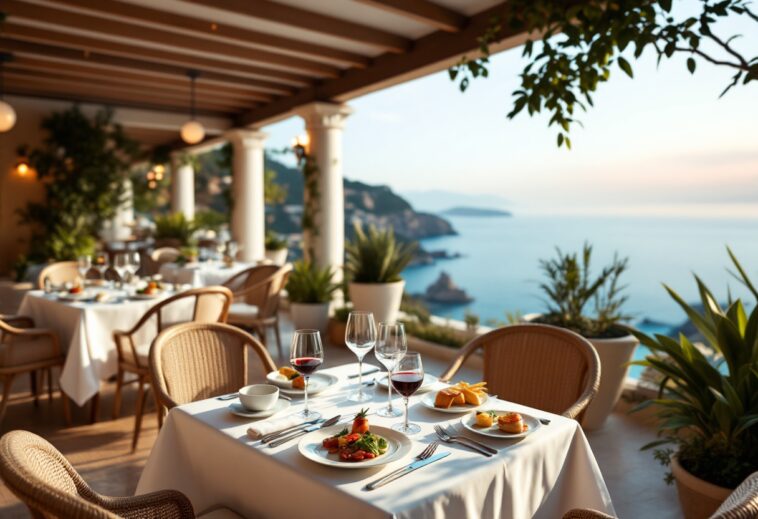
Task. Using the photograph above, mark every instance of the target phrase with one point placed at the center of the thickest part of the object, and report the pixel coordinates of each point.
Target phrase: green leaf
(691, 65)
(625, 66)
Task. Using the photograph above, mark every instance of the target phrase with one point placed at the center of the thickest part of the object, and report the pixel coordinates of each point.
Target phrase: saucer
(238, 409)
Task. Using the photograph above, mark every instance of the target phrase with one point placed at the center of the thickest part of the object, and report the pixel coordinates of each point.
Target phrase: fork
(424, 454)
(466, 442)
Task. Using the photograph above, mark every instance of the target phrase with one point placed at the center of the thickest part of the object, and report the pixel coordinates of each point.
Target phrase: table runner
(204, 452)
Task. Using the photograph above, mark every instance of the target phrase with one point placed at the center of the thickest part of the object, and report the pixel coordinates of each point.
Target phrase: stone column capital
(247, 137)
(320, 114)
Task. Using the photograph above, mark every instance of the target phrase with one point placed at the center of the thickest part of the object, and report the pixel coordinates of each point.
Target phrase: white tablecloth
(200, 274)
(85, 331)
(204, 452)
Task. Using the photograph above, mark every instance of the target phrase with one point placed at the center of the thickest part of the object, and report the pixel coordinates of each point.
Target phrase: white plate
(318, 382)
(468, 422)
(147, 296)
(240, 410)
(428, 401)
(426, 385)
(398, 445)
(81, 297)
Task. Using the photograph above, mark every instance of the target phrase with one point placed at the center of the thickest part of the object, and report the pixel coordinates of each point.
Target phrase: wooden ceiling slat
(62, 19)
(311, 21)
(108, 62)
(210, 29)
(423, 11)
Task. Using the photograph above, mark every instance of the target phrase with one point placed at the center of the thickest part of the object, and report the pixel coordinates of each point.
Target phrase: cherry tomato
(369, 455)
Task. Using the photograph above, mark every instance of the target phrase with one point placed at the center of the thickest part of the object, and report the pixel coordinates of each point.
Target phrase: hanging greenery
(578, 43)
(83, 164)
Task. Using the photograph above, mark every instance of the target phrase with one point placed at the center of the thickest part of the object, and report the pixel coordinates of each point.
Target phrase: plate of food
(500, 423)
(459, 398)
(426, 385)
(152, 290)
(77, 294)
(359, 446)
(292, 383)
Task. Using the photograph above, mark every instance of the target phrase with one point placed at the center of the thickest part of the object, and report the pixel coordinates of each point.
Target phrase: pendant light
(192, 131)
(7, 113)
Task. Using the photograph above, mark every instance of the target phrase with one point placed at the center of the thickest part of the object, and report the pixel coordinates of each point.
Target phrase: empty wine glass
(101, 264)
(391, 345)
(132, 264)
(120, 264)
(306, 356)
(406, 379)
(231, 249)
(84, 264)
(360, 337)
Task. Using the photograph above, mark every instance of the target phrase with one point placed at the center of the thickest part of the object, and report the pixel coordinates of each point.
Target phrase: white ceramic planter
(310, 315)
(381, 299)
(614, 355)
(277, 257)
(698, 498)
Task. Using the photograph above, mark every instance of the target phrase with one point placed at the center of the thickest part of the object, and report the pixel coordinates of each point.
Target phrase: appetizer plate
(426, 385)
(469, 422)
(318, 383)
(147, 296)
(240, 410)
(81, 297)
(428, 401)
(398, 446)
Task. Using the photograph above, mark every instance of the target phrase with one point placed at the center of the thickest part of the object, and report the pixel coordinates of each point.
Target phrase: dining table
(205, 451)
(85, 331)
(201, 274)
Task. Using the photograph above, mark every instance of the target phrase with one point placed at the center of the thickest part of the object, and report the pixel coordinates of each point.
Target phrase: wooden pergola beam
(62, 19)
(212, 30)
(423, 11)
(312, 21)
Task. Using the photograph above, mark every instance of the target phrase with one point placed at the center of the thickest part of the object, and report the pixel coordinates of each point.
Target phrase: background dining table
(85, 331)
(203, 451)
(205, 274)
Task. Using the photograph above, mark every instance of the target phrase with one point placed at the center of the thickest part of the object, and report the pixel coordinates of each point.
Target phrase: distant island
(475, 211)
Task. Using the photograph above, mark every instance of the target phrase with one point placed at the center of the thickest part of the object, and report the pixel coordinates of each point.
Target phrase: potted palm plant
(338, 326)
(569, 289)
(276, 248)
(707, 400)
(373, 264)
(310, 290)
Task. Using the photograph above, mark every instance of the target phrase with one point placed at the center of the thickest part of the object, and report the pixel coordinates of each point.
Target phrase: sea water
(499, 266)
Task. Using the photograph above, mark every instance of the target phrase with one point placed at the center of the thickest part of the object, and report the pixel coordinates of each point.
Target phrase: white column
(249, 209)
(183, 188)
(324, 123)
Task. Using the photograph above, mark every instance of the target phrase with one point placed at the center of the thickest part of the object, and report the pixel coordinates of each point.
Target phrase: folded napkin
(265, 427)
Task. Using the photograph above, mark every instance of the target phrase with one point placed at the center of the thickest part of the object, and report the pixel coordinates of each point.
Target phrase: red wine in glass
(306, 365)
(406, 382)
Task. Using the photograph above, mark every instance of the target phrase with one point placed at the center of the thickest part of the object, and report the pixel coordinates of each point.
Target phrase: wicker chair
(256, 299)
(742, 503)
(211, 304)
(40, 476)
(25, 349)
(586, 513)
(192, 362)
(540, 366)
(59, 273)
(150, 264)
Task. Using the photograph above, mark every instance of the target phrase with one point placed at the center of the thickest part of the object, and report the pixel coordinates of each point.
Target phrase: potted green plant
(310, 289)
(373, 264)
(276, 248)
(569, 289)
(173, 230)
(707, 400)
(338, 325)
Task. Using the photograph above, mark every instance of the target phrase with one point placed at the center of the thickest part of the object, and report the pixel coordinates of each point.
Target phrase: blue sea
(499, 266)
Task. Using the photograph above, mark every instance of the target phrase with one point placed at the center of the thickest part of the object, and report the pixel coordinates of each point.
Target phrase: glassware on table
(360, 337)
(120, 265)
(232, 249)
(101, 264)
(406, 379)
(391, 345)
(306, 356)
(132, 264)
(84, 264)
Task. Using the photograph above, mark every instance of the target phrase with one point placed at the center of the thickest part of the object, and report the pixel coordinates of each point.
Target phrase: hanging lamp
(7, 113)
(192, 131)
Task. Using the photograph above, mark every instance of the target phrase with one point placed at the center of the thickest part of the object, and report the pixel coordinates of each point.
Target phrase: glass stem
(406, 413)
(306, 412)
(389, 390)
(360, 377)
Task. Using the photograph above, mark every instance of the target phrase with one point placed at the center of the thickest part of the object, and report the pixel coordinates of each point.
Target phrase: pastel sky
(662, 142)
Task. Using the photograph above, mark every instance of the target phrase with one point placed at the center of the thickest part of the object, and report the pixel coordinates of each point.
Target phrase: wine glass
(390, 348)
(306, 356)
(101, 264)
(406, 379)
(360, 337)
(132, 264)
(120, 265)
(84, 263)
(231, 249)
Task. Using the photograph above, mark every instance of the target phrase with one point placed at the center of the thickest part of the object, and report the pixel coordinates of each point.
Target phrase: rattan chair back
(541, 366)
(260, 286)
(59, 273)
(190, 362)
(165, 255)
(742, 503)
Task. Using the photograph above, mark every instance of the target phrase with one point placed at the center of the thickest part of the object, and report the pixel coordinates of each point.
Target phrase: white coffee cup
(259, 397)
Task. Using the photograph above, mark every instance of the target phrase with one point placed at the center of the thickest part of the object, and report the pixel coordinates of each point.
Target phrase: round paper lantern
(7, 116)
(192, 132)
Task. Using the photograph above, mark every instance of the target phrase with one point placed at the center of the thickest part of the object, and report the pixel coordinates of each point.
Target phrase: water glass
(306, 356)
(120, 265)
(84, 264)
(406, 379)
(360, 337)
(391, 346)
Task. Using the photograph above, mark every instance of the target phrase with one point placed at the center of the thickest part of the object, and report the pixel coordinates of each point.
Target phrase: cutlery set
(424, 458)
(291, 435)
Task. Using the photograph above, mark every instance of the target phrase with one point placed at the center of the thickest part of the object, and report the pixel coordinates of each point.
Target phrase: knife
(368, 372)
(289, 430)
(407, 470)
(315, 427)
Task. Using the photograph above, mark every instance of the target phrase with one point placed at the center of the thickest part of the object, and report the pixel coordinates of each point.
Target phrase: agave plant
(376, 256)
(709, 410)
(174, 226)
(274, 241)
(310, 284)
